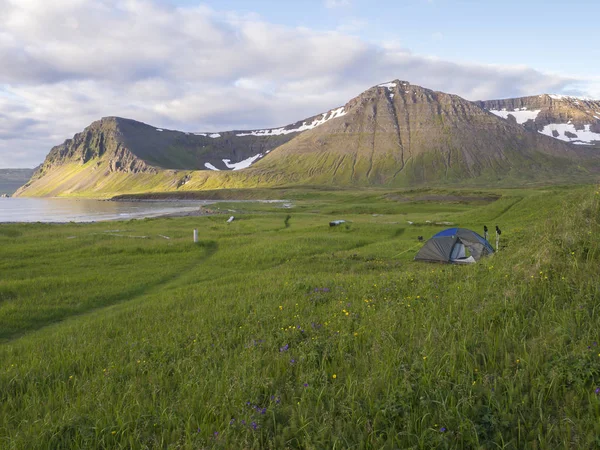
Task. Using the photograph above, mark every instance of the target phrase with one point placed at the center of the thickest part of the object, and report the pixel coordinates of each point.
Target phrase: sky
(207, 66)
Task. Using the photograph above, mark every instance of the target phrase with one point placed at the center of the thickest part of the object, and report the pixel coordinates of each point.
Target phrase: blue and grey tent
(455, 245)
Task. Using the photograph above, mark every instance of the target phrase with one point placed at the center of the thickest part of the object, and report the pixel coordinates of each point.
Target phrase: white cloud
(67, 63)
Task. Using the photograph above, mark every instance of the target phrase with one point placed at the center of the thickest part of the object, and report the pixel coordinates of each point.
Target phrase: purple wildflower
(254, 425)
(597, 391)
(325, 289)
(243, 422)
(305, 384)
(293, 361)
(285, 348)
(263, 411)
(232, 421)
(443, 430)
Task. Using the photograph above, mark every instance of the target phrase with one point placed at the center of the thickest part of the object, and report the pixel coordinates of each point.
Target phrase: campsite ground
(264, 335)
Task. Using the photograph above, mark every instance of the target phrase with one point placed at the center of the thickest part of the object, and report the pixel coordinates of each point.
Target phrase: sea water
(84, 210)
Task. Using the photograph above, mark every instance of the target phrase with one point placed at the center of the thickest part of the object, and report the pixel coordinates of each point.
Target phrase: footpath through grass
(304, 336)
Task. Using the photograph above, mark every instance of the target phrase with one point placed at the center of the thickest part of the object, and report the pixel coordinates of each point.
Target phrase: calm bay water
(83, 210)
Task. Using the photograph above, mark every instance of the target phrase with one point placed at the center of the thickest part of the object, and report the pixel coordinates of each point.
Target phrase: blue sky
(230, 64)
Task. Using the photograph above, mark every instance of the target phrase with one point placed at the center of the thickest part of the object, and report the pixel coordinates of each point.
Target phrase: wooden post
(195, 234)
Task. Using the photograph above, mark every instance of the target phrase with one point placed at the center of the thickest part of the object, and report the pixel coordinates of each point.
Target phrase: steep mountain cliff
(395, 134)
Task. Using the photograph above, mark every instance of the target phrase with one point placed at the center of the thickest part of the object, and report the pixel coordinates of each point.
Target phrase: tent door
(460, 252)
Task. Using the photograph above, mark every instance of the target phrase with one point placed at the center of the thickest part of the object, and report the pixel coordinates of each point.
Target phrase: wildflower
(305, 385)
(518, 361)
(285, 348)
(232, 421)
(424, 358)
(335, 376)
(280, 308)
(443, 430)
(292, 361)
(597, 391)
(114, 432)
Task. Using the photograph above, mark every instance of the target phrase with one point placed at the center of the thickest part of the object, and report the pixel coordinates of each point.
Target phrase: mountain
(402, 134)
(12, 179)
(115, 154)
(393, 134)
(570, 119)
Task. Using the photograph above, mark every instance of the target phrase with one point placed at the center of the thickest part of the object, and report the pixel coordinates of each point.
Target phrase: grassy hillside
(305, 336)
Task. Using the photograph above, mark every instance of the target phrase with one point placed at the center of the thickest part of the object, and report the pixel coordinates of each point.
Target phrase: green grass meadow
(267, 335)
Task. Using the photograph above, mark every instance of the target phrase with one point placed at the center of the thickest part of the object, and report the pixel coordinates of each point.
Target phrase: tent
(455, 245)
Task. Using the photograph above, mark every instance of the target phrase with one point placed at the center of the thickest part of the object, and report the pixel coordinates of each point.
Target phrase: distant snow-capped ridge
(333, 114)
(571, 98)
(580, 127)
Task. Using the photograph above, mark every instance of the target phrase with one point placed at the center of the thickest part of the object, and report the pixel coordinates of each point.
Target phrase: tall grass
(267, 336)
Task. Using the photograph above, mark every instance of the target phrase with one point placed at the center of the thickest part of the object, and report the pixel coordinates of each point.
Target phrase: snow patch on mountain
(522, 115)
(570, 97)
(333, 114)
(214, 135)
(210, 166)
(388, 85)
(242, 164)
(585, 136)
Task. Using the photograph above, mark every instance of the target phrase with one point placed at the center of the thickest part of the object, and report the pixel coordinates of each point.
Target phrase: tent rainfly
(455, 245)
